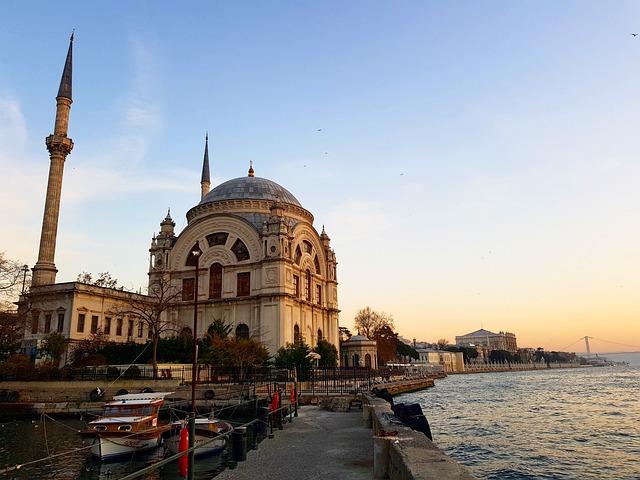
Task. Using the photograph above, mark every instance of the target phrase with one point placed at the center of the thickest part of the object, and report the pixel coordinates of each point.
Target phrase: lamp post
(196, 256)
(25, 269)
(194, 371)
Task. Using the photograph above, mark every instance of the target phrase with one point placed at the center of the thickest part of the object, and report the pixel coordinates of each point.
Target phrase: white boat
(128, 425)
(211, 436)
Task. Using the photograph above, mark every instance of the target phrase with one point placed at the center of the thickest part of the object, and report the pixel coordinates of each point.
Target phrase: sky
(475, 163)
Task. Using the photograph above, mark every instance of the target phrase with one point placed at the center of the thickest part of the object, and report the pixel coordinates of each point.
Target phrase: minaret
(59, 146)
(205, 182)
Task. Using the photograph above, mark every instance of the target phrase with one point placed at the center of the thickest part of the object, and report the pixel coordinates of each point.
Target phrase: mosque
(249, 256)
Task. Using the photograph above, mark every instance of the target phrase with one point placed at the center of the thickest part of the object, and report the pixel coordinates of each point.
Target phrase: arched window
(296, 335)
(367, 360)
(298, 255)
(215, 281)
(191, 258)
(316, 262)
(346, 360)
(319, 335)
(356, 360)
(186, 332)
(307, 286)
(242, 331)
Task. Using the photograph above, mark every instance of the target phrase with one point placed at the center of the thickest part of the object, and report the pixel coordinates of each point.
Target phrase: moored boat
(211, 436)
(128, 425)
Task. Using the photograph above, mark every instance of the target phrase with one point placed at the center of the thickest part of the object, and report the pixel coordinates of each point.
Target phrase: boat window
(145, 410)
(100, 428)
(110, 411)
(124, 428)
(127, 411)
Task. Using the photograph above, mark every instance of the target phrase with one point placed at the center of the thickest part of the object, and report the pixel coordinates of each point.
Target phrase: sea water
(47, 448)
(573, 424)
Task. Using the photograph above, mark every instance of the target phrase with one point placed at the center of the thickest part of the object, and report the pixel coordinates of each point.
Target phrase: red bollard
(184, 459)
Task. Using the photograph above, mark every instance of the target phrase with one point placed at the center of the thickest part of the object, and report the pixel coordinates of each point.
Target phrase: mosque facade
(249, 256)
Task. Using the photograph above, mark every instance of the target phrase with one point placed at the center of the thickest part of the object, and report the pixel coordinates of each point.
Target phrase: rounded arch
(215, 280)
(297, 338)
(242, 331)
(367, 360)
(198, 230)
(305, 233)
(186, 332)
(320, 338)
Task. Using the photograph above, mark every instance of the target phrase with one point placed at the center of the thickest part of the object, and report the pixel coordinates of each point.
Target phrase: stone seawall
(401, 453)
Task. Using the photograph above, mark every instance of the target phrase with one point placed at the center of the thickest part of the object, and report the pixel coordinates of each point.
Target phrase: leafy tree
(217, 329)
(442, 343)
(11, 331)
(500, 356)
(294, 355)
(469, 353)
(54, 345)
(378, 326)
(387, 343)
(328, 353)
(404, 350)
(235, 352)
(104, 279)
(344, 334)
(86, 351)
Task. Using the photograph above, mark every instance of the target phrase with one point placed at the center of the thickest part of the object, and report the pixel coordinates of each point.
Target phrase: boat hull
(111, 448)
(210, 436)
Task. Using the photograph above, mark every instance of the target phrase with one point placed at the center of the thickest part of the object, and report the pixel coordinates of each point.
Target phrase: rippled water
(550, 424)
(24, 442)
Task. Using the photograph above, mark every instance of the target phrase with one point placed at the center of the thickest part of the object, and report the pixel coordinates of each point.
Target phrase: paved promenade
(317, 445)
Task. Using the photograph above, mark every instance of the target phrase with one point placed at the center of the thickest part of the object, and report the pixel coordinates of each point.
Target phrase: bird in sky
(634, 34)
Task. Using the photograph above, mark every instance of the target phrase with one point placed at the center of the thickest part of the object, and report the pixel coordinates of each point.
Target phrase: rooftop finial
(251, 168)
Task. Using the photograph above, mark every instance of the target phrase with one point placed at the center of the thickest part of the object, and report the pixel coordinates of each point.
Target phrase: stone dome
(358, 338)
(250, 188)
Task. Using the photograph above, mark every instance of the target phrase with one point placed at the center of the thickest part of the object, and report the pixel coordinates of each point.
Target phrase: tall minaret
(205, 182)
(59, 146)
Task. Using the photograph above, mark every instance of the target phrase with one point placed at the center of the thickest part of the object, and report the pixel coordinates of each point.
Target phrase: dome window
(218, 238)
(240, 250)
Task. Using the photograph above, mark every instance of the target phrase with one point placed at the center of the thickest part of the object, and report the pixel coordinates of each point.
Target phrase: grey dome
(358, 338)
(250, 188)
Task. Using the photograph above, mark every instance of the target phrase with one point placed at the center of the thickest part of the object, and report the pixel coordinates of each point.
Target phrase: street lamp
(195, 254)
(25, 269)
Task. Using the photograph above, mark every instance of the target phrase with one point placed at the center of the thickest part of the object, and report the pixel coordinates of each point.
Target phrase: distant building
(450, 361)
(359, 351)
(488, 341)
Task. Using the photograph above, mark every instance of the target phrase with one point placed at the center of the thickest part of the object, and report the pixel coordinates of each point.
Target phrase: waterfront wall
(401, 453)
(508, 367)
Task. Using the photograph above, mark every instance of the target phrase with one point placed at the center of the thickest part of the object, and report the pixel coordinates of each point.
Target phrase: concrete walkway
(317, 445)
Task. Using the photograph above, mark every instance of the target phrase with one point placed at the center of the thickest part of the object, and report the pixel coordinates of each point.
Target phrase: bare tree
(152, 311)
(104, 279)
(368, 322)
(14, 279)
(378, 326)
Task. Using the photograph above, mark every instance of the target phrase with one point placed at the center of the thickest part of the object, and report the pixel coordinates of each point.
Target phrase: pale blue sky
(477, 162)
